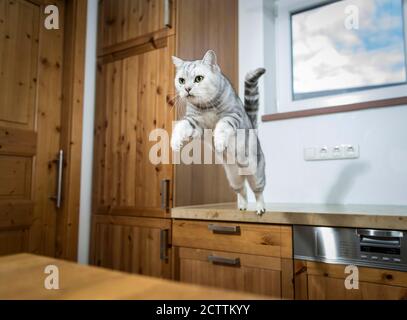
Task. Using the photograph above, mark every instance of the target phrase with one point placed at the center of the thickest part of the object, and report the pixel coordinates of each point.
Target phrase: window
(334, 53)
(347, 46)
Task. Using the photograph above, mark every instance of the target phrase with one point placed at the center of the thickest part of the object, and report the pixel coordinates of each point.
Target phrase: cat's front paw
(182, 132)
(220, 141)
(176, 143)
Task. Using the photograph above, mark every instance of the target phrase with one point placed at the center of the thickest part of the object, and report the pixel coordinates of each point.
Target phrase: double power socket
(337, 152)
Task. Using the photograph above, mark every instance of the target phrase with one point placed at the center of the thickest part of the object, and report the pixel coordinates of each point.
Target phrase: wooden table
(22, 276)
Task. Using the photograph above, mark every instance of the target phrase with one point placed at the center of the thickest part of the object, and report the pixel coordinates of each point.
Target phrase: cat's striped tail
(251, 94)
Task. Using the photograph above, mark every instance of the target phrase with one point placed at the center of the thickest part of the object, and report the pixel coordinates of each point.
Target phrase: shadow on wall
(345, 182)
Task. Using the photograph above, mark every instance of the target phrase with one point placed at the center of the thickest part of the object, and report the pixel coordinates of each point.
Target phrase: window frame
(285, 106)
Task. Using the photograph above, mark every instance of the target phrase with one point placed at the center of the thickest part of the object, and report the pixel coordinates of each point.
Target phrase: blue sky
(327, 56)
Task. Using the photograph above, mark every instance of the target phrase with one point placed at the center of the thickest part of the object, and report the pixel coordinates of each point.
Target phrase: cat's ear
(177, 61)
(210, 58)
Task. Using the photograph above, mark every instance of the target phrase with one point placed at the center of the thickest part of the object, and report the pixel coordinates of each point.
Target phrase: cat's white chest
(209, 119)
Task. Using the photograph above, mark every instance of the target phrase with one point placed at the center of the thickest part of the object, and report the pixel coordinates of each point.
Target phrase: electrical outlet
(337, 152)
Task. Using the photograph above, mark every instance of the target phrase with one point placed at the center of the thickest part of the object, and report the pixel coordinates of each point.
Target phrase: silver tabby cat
(211, 103)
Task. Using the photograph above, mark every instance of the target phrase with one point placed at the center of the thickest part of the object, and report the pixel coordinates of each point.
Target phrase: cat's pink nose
(188, 89)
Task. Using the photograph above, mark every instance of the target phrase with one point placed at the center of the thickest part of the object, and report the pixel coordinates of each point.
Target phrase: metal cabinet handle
(379, 233)
(165, 184)
(167, 13)
(163, 245)
(60, 163)
(224, 229)
(225, 261)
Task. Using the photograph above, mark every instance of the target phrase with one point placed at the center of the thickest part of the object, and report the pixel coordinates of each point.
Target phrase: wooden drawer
(266, 240)
(236, 271)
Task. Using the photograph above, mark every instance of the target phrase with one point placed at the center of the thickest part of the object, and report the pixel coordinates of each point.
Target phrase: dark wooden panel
(204, 25)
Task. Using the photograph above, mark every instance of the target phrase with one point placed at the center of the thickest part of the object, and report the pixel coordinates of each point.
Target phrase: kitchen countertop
(360, 216)
(22, 277)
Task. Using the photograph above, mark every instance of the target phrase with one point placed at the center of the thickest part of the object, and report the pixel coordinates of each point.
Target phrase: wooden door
(235, 271)
(132, 101)
(30, 106)
(135, 245)
(126, 21)
(319, 281)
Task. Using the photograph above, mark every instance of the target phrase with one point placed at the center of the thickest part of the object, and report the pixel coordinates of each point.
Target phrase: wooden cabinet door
(30, 110)
(325, 288)
(135, 245)
(131, 102)
(241, 272)
(122, 21)
(319, 281)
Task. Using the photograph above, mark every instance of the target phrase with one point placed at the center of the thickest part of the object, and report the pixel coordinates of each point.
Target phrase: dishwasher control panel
(364, 247)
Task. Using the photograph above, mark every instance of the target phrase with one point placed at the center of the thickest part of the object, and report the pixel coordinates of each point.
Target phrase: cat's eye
(181, 80)
(198, 79)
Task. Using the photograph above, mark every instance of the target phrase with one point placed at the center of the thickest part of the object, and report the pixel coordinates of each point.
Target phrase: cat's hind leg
(257, 184)
(237, 183)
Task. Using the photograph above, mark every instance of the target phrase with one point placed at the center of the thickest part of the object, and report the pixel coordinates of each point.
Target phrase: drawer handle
(224, 229)
(163, 245)
(226, 261)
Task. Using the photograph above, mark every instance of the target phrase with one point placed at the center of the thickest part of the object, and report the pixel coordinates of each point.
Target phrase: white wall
(87, 142)
(379, 176)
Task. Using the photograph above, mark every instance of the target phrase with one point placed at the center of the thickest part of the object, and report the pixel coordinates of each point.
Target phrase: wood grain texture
(203, 25)
(30, 105)
(131, 103)
(122, 21)
(325, 288)
(254, 274)
(358, 216)
(319, 281)
(19, 50)
(130, 244)
(23, 278)
(71, 128)
(270, 240)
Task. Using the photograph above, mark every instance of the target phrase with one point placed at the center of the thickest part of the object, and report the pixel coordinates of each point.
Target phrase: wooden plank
(48, 125)
(19, 48)
(71, 130)
(23, 278)
(15, 177)
(122, 23)
(326, 288)
(300, 280)
(254, 274)
(373, 275)
(246, 260)
(133, 221)
(17, 141)
(17, 214)
(287, 279)
(131, 244)
(254, 239)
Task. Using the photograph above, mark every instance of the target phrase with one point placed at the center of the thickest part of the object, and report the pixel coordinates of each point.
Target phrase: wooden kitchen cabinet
(134, 245)
(132, 102)
(320, 281)
(237, 256)
(135, 95)
(125, 23)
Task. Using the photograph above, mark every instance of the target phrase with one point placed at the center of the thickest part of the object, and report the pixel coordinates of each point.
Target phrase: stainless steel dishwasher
(364, 247)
